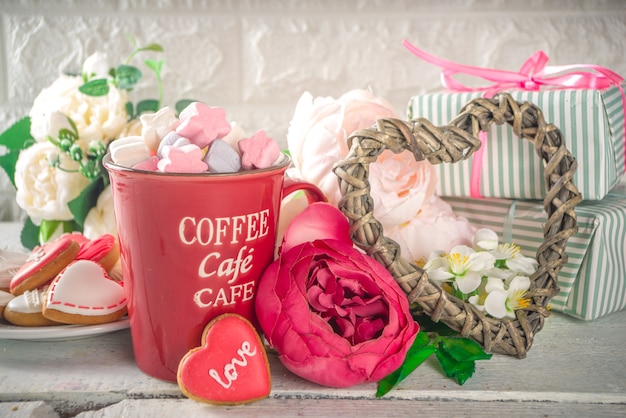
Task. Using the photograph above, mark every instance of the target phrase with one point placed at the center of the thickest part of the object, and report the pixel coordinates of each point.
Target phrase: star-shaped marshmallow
(202, 124)
(260, 151)
(185, 159)
(154, 126)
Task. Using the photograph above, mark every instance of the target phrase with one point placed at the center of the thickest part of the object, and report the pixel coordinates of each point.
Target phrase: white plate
(60, 332)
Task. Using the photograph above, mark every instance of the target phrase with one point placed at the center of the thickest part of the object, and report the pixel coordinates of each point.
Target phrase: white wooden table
(574, 369)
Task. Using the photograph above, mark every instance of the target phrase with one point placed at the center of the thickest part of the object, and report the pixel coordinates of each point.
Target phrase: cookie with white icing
(83, 293)
(26, 309)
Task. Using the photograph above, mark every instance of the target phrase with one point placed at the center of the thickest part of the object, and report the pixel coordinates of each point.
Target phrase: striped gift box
(592, 122)
(593, 281)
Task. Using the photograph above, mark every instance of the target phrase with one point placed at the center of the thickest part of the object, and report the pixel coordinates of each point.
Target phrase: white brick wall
(256, 57)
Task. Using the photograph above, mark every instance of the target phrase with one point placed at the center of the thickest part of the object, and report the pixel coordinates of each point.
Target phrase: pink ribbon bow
(532, 75)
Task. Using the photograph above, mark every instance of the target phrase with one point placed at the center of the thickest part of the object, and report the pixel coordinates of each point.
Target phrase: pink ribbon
(532, 75)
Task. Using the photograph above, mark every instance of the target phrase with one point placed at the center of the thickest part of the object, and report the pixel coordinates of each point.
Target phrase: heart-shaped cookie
(230, 367)
(83, 293)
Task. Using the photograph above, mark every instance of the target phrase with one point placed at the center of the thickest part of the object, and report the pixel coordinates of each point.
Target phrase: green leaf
(127, 76)
(97, 87)
(182, 104)
(415, 356)
(151, 47)
(131, 38)
(130, 110)
(428, 325)
(18, 136)
(154, 65)
(460, 370)
(47, 229)
(82, 204)
(148, 105)
(7, 162)
(30, 234)
(463, 349)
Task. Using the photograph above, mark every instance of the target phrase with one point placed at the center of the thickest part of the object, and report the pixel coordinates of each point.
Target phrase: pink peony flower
(335, 316)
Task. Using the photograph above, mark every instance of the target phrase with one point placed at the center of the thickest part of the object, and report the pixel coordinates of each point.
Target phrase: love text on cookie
(230, 369)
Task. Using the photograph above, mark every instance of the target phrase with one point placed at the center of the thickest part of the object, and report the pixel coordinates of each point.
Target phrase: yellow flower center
(518, 300)
(510, 249)
(458, 263)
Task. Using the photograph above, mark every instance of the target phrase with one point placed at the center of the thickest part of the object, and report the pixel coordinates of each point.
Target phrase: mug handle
(313, 193)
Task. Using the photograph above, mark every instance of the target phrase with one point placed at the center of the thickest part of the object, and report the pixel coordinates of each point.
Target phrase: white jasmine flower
(485, 239)
(503, 300)
(462, 266)
(509, 256)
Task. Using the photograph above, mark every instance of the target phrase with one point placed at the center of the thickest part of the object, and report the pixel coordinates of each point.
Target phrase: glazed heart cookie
(104, 250)
(43, 264)
(83, 293)
(230, 367)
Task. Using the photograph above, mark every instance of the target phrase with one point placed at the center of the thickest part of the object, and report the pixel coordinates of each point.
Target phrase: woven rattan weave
(449, 144)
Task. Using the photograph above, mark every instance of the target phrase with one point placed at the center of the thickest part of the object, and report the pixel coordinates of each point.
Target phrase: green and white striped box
(592, 122)
(593, 282)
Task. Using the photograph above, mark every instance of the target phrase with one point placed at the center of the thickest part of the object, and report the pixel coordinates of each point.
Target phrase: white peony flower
(43, 191)
(101, 218)
(318, 131)
(99, 118)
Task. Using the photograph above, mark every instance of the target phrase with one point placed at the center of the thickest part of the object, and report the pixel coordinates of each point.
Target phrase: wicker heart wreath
(454, 142)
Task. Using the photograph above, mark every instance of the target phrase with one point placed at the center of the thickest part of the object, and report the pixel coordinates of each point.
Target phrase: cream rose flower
(99, 118)
(318, 131)
(400, 186)
(43, 191)
(101, 218)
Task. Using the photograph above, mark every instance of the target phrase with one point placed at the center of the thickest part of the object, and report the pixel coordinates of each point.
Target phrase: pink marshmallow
(202, 124)
(147, 165)
(185, 159)
(260, 151)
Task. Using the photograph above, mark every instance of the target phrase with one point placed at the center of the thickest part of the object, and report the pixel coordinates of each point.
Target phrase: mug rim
(111, 166)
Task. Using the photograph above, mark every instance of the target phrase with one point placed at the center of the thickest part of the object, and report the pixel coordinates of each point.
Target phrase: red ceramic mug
(193, 246)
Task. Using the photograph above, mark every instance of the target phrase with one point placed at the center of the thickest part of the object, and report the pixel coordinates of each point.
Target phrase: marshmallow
(148, 165)
(202, 124)
(222, 158)
(236, 133)
(129, 151)
(260, 151)
(156, 125)
(186, 159)
(172, 139)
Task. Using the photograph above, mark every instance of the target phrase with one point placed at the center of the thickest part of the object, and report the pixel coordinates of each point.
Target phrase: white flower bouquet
(53, 155)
